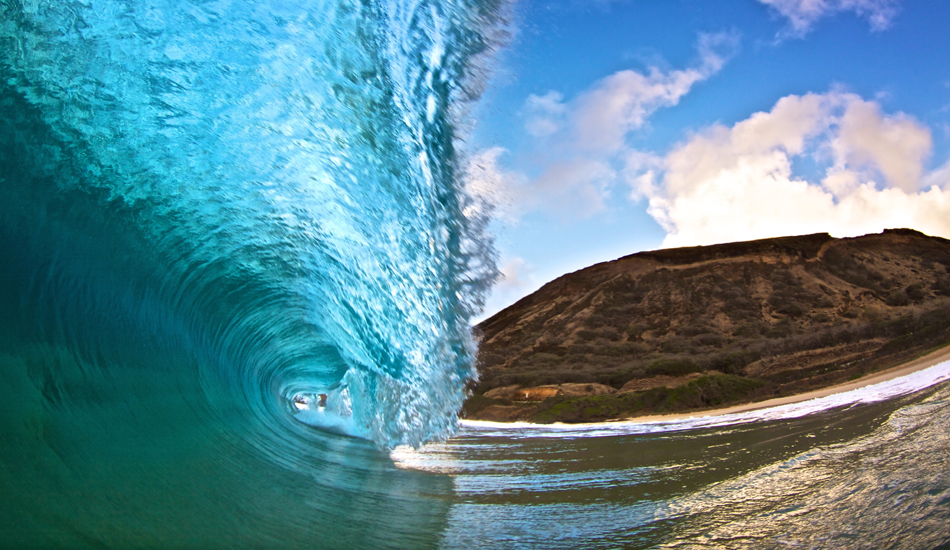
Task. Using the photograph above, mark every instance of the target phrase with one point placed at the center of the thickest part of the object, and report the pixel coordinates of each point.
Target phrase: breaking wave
(224, 223)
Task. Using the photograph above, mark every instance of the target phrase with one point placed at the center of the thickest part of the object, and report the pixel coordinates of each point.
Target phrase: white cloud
(896, 146)
(641, 173)
(574, 187)
(516, 274)
(517, 280)
(621, 103)
(939, 177)
(544, 115)
(784, 130)
(802, 14)
(731, 184)
(581, 143)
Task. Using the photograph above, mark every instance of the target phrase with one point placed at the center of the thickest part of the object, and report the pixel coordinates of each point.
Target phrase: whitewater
(239, 267)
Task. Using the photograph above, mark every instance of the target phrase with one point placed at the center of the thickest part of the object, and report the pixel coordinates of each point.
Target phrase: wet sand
(927, 361)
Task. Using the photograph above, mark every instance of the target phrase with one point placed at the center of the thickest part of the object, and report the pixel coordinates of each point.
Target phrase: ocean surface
(869, 468)
(239, 265)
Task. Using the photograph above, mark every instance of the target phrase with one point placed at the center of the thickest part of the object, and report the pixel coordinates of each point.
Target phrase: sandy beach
(921, 363)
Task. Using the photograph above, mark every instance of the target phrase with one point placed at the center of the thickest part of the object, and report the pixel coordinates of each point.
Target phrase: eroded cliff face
(723, 324)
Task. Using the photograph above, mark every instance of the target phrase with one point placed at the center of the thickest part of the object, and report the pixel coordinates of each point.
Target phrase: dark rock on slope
(701, 327)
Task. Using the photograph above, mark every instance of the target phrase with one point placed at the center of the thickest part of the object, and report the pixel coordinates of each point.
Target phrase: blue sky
(616, 126)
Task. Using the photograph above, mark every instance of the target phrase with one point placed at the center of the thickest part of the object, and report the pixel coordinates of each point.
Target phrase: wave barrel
(238, 266)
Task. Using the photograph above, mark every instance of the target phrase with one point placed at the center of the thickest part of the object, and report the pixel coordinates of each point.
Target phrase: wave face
(222, 223)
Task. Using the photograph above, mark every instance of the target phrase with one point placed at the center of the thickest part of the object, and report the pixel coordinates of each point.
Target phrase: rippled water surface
(874, 473)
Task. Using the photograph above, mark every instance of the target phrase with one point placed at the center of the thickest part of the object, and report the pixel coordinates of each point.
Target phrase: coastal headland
(722, 328)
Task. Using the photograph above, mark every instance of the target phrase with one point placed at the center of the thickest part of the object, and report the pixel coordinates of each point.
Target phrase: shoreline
(935, 357)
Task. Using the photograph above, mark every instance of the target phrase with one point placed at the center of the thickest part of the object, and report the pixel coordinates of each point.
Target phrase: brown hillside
(698, 327)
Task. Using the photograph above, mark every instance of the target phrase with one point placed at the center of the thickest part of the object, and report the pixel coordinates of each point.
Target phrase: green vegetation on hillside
(704, 392)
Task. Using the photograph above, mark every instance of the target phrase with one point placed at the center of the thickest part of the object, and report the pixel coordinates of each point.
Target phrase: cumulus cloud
(580, 143)
(779, 133)
(544, 115)
(896, 145)
(802, 14)
(737, 183)
(621, 103)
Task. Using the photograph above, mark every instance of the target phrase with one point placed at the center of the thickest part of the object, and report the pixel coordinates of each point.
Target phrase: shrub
(709, 339)
(545, 358)
(733, 362)
(672, 367)
(780, 330)
(674, 345)
(792, 309)
(710, 391)
(581, 349)
(897, 298)
(742, 312)
(747, 330)
(635, 330)
(707, 391)
(614, 350)
(595, 320)
(851, 270)
(851, 313)
(632, 349)
(548, 347)
(694, 329)
(821, 317)
(587, 334)
(916, 292)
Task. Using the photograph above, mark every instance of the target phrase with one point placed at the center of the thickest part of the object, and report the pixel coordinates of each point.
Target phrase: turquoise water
(207, 209)
(238, 271)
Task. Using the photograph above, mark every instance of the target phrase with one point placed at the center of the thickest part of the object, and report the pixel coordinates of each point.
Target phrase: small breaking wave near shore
(863, 468)
(897, 382)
